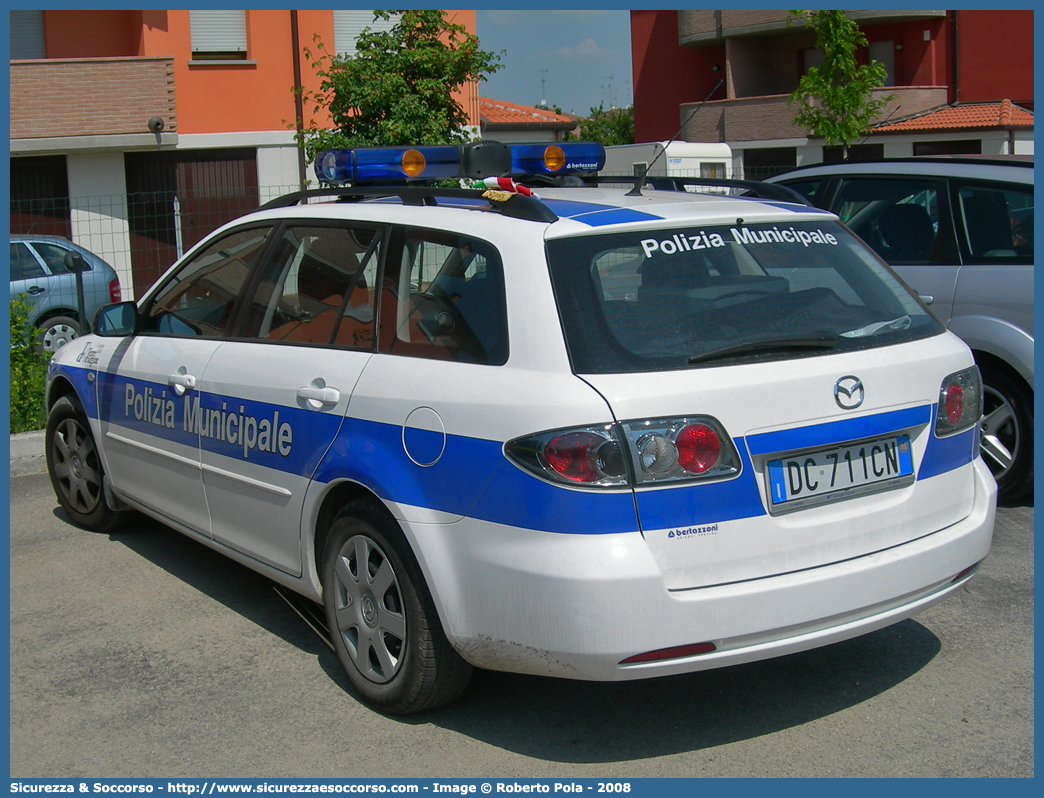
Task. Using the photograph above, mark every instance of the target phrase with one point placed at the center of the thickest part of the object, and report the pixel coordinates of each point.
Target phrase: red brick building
(934, 59)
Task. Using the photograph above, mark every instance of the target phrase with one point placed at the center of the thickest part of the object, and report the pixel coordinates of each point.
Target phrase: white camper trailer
(681, 159)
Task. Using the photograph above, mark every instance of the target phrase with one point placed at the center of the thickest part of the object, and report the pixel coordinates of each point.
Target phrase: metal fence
(138, 234)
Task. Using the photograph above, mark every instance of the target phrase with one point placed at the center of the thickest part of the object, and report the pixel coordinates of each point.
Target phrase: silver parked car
(960, 231)
(39, 272)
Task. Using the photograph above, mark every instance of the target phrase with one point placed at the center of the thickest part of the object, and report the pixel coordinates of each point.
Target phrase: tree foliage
(28, 371)
(835, 99)
(615, 126)
(398, 86)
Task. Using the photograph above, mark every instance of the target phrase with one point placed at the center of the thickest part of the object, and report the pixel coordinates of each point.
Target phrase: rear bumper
(577, 605)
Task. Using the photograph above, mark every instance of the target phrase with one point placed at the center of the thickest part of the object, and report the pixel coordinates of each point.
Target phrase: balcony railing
(702, 28)
(769, 117)
(67, 97)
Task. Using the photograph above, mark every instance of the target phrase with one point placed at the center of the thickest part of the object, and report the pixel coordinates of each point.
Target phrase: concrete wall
(98, 206)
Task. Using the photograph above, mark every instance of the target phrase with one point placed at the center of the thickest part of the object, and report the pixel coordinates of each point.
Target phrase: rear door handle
(36, 289)
(926, 299)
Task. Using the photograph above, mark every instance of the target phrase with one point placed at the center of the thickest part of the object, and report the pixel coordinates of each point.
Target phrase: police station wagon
(596, 434)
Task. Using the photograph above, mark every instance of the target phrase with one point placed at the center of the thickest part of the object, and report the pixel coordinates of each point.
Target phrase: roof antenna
(637, 190)
(879, 124)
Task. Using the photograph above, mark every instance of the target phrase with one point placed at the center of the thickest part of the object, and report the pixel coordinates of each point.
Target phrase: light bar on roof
(476, 159)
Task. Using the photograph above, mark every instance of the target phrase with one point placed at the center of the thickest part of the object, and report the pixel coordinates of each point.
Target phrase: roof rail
(662, 183)
(516, 206)
(1024, 161)
(754, 187)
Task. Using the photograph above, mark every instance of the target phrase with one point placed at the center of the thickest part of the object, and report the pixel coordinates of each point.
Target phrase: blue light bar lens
(334, 166)
(387, 164)
(557, 159)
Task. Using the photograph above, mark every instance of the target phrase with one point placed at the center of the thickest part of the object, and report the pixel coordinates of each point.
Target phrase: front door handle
(181, 381)
(318, 394)
(926, 299)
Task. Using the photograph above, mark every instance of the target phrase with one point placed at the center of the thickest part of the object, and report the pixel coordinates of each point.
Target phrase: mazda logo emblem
(848, 392)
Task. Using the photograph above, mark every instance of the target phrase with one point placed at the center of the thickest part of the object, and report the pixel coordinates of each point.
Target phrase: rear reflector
(676, 652)
(964, 573)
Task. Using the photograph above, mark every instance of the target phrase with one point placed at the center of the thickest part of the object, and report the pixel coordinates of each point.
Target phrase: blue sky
(587, 55)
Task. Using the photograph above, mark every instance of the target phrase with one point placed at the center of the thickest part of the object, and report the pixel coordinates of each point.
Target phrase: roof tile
(500, 112)
(1003, 115)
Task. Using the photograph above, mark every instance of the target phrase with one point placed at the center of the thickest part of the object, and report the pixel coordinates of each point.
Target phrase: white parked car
(586, 434)
(959, 230)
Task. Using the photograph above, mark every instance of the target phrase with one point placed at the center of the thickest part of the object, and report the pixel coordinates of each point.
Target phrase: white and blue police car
(587, 433)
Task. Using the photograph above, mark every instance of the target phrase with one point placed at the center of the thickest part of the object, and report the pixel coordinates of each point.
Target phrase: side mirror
(116, 321)
(74, 262)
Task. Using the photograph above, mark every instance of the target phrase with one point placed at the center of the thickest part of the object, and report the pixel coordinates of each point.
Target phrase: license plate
(829, 474)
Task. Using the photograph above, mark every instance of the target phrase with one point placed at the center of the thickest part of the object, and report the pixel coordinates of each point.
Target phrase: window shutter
(349, 24)
(218, 31)
(27, 35)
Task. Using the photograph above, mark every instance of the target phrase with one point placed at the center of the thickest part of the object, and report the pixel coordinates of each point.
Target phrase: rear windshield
(707, 296)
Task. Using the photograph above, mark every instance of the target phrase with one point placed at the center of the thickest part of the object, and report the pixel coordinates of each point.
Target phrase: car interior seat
(907, 231)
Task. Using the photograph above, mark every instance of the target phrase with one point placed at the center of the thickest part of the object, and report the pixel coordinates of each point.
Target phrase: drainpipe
(298, 102)
(956, 61)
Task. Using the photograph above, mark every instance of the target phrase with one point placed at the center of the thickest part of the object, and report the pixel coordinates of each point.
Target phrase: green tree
(28, 371)
(615, 126)
(398, 87)
(835, 99)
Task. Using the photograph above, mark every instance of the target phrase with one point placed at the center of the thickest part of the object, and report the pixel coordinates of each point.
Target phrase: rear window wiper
(781, 343)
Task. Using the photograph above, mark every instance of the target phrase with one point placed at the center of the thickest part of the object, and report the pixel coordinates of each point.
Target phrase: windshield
(705, 296)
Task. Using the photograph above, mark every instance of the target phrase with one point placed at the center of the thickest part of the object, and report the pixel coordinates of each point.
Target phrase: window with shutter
(218, 35)
(349, 24)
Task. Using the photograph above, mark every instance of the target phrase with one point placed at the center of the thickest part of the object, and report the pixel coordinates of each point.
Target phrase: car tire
(382, 619)
(55, 332)
(1007, 432)
(75, 468)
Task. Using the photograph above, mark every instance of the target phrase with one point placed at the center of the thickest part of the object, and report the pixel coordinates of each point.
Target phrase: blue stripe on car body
(473, 477)
(831, 432)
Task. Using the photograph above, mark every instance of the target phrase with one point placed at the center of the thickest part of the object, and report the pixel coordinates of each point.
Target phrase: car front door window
(898, 217)
(199, 298)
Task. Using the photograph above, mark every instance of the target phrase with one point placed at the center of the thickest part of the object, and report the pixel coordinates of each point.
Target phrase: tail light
(630, 453)
(114, 290)
(585, 457)
(589, 456)
(960, 402)
(680, 449)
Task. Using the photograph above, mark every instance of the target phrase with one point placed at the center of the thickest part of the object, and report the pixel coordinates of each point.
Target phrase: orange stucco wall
(216, 98)
(253, 96)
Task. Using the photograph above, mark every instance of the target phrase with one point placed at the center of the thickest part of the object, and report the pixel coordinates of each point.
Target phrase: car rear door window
(899, 218)
(445, 300)
(54, 256)
(995, 223)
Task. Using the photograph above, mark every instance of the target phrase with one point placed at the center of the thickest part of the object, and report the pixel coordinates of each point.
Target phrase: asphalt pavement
(143, 653)
(27, 453)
